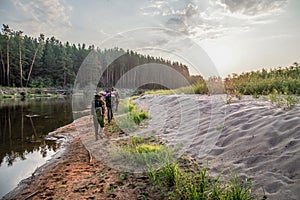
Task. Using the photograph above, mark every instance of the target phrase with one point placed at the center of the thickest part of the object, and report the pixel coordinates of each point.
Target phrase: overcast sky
(238, 35)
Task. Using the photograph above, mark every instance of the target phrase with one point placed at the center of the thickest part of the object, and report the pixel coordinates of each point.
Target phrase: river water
(23, 127)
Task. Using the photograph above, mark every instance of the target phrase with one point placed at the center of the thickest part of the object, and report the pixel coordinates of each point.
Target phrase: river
(24, 125)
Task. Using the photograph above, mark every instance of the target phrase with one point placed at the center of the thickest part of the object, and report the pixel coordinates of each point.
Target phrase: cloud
(254, 7)
(44, 16)
(204, 19)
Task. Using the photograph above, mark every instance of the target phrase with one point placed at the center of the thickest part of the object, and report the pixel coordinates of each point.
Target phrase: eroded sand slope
(252, 137)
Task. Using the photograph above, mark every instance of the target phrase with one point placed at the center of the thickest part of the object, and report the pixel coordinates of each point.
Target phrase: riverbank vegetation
(129, 115)
(22, 93)
(282, 81)
(182, 178)
(280, 86)
(263, 82)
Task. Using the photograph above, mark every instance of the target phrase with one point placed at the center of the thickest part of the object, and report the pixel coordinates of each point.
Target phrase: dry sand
(251, 137)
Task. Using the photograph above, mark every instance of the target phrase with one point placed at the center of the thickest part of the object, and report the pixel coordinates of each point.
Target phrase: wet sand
(76, 174)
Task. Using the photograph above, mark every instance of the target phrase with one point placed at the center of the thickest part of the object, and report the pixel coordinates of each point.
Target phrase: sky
(235, 35)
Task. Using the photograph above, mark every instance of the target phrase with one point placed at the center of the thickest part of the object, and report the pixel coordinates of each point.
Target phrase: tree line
(262, 82)
(47, 62)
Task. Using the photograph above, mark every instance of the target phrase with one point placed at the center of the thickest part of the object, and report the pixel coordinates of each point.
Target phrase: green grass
(130, 116)
(184, 178)
(160, 92)
(197, 88)
(284, 101)
(183, 90)
(139, 153)
(195, 182)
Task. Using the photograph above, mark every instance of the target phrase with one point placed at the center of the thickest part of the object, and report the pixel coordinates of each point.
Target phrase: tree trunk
(21, 68)
(3, 67)
(22, 126)
(7, 66)
(65, 77)
(31, 66)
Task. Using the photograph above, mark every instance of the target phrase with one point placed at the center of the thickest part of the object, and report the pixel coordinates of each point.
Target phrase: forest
(48, 62)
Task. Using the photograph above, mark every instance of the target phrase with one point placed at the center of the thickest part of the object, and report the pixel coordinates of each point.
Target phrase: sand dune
(251, 137)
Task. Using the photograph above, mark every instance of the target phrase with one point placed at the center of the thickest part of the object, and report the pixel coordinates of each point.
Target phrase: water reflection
(24, 125)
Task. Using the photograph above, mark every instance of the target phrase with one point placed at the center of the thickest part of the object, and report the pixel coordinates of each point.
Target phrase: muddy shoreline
(73, 173)
(14, 92)
(64, 138)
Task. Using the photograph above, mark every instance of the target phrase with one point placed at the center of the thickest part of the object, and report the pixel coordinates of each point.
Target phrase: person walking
(116, 99)
(109, 105)
(97, 110)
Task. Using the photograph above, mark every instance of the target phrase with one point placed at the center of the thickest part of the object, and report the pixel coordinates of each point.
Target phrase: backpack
(99, 107)
(108, 100)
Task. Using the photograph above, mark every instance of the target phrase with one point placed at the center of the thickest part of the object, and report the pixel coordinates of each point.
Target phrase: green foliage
(32, 58)
(255, 96)
(284, 80)
(140, 152)
(41, 82)
(196, 88)
(196, 183)
(238, 95)
(229, 99)
(240, 190)
(130, 115)
(160, 92)
(47, 62)
(123, 176)
(283, 101)
(290, 101)
(147, 148)
(40, 62)
(183, 179)
(200, 88)
(136, 114)
(125, 122)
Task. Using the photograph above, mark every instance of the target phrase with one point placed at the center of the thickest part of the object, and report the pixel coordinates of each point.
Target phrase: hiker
(108, 102)
(115, 99)
(97, 110)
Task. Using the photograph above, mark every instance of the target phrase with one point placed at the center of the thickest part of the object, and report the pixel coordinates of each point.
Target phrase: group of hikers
(104, 104)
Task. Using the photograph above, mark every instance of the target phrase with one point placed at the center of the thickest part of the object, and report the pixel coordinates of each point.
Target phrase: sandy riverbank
(251, 137)
(76, 174)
